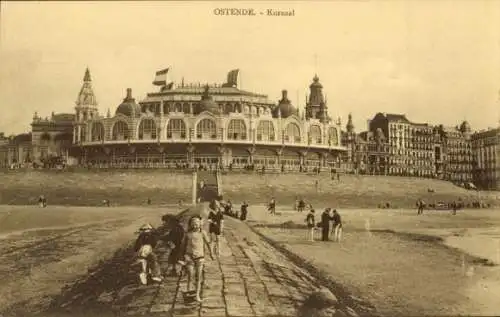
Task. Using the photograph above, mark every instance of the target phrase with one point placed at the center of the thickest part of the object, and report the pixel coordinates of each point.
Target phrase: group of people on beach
(187, 247)
(329, 216)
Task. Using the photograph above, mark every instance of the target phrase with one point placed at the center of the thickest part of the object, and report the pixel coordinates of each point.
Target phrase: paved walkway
(250, 278)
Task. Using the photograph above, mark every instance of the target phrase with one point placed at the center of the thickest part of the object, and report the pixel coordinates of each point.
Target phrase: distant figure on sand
(42, 201)
(272, 206)
(325, 224)
(337, 226)
(301, 205)
(420, 206)
(311, 224)
(244, 211)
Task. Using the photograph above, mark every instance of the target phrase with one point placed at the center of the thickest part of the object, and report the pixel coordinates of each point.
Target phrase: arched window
(315, 134)
(97, 133)
(178, 107)
(292, 133)
(120, 131)
(147, 129)
(83, 134)
(333, 136)
(265, 131)
(237, 130)
(45, 137)
(206, 129)
(176, 129)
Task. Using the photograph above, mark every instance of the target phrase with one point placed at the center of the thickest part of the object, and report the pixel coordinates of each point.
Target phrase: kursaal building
(210, 125)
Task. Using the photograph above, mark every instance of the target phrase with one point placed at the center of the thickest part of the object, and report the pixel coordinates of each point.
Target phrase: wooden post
(195, 188)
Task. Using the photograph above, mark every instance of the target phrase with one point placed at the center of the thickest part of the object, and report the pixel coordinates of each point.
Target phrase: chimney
(129, 94)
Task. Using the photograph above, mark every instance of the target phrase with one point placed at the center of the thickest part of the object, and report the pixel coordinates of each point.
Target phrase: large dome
(207, 103)
(129, 107)
(316, 83)
(465, 127)
(285, 107)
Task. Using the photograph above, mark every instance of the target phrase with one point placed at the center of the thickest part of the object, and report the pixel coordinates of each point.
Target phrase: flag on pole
(161, 77)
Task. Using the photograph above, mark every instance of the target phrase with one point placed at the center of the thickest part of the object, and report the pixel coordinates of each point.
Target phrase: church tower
(86, 103)
(316, 105)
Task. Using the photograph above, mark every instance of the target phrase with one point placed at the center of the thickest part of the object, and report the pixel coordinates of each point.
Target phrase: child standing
(215, 227)
(195, 242)
(174, 239)
(337, 226)
(310, 224)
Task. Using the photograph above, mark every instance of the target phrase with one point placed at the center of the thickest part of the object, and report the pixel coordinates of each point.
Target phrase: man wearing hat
(144, 247)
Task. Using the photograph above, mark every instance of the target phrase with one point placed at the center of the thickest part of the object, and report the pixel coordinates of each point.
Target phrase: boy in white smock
(195, 241)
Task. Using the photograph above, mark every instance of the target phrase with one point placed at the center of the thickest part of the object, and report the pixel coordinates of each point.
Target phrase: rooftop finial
(87, 77)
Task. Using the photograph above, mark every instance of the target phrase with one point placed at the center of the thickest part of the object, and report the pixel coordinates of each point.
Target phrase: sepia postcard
(250, 158)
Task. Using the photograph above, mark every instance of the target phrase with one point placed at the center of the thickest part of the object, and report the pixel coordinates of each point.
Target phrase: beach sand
(462, 280)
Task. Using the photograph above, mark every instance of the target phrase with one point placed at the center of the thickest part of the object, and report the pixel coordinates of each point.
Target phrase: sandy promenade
(475, 285)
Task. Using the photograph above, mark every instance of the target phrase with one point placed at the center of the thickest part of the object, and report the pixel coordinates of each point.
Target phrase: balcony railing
(214, 139)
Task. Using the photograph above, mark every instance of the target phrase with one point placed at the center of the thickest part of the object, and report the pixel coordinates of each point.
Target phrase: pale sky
(435, 61)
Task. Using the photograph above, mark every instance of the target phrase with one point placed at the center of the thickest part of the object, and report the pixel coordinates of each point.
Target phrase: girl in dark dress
(174, 239)
(244, 211)
(311, 224)
(215, 227)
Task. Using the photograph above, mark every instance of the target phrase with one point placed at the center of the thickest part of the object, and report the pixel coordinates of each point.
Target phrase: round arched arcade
(212, 126)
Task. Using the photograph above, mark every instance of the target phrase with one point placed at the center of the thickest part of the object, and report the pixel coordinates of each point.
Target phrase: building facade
(195, 124)
(52, 136)
(367, 152)
(453, 153)
(16, 150)
(486, 161)
(411, 145)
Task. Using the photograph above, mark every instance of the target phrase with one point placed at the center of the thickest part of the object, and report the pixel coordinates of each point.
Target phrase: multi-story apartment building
(486, 161)
(16, 150)
(411, 145)
(49, 137)
(367, 152)
(456, 152)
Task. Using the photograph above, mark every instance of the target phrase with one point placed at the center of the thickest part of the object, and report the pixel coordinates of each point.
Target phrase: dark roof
(399, 117)
(199, 90)
(396, 117)
(129, 107)
(21, 138)
(486, 133)
(63, 117)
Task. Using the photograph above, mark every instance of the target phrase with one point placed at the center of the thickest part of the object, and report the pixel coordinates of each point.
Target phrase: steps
(210, 190)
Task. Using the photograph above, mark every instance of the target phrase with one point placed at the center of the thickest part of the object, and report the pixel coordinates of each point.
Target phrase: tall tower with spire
(316, 107)
(349, 126)
(86, 103)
